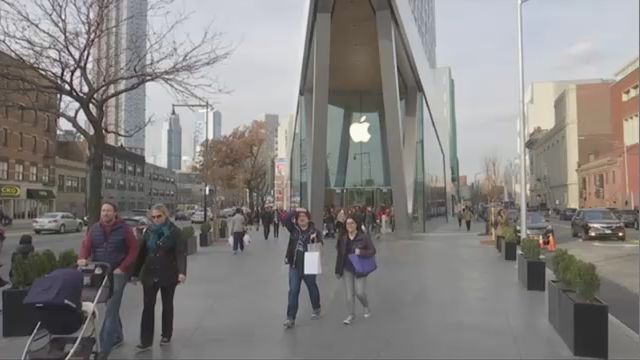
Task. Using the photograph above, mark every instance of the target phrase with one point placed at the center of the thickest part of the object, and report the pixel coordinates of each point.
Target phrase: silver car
(59, 222)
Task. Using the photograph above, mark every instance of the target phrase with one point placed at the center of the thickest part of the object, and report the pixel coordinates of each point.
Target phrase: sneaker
(367, 313)
(315, 315)
(348, 320)
(141, 348)
(165, 341)
(289, 324)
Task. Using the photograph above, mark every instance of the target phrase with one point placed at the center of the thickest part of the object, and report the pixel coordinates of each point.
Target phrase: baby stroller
(66, 301)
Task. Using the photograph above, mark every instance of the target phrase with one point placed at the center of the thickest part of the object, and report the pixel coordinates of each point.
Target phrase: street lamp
(523, 129)
(206, 109)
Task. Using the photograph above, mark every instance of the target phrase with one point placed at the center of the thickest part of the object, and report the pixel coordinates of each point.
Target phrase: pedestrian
(468, 216)
(459, 214)
(111, 241)
(340, 219)
(360, 244)
(276, 223)
(24, 249)
(302, 233)
(370, 219)
(238, 230)
(267, 221)
(329, 222)
(258, 216)
(501, 223)
(161, 266)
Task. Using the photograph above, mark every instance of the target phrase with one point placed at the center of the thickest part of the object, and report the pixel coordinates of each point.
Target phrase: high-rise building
(216, 127)
(119, 52)
(373, 122)
(174, 143)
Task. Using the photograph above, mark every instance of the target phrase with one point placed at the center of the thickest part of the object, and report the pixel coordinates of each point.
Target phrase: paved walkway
(442, 295)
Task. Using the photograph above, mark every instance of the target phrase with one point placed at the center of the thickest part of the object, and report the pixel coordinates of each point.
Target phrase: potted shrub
(67, 259)
(555, 286)
(188, 236)
(510, 245)
(205, 233)
(19, 319)
(582, 317)
(531, 270)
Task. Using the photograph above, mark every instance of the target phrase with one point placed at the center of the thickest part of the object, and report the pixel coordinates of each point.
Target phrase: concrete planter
(205, 239)
(584, 327)
(531, 273)
(17, 319)
(509, 249)
(192, 245)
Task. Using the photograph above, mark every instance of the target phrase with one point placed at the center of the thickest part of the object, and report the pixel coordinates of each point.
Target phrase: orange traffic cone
(552, 243)
(541, 243)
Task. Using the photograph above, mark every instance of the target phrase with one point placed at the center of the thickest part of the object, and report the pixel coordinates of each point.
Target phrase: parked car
(567, 214)
(628, 217)
(198, 217)
(59, 222)
(597, 224)
(181, 216)
(538, 227)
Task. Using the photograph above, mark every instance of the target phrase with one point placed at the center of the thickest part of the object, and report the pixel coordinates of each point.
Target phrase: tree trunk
(95, 164)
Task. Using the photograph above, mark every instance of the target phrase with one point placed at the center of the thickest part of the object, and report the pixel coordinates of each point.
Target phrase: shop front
(21, 203)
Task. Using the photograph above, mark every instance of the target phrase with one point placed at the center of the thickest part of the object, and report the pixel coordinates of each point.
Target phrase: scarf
(158, 232)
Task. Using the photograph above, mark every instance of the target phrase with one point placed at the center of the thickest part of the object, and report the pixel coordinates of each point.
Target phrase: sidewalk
(442, 295)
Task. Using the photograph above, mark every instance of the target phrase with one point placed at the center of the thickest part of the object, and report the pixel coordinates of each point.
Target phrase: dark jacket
(267, 218)
(23, 250)
(164, 263)
(296, 233)
(362, 241)
(114, 244)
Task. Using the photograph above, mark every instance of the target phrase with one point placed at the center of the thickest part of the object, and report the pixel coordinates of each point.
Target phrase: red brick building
(612, 179)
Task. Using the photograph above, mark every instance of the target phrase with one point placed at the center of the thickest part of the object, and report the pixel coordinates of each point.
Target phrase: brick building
(71, 176)
(27, 150)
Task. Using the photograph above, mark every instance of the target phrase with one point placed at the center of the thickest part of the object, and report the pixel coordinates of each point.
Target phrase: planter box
(584, 327)
(192, 245)
(510, 249)
(555, 289)
(17, 319)
(205, 239)
(531, 273)
(499, 243)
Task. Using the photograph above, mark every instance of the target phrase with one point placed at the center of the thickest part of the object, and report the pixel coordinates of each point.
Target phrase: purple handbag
(363, 265)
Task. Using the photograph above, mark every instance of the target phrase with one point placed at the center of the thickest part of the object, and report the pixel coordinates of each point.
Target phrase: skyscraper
(174, 143)
(119, 52)
(217, 125)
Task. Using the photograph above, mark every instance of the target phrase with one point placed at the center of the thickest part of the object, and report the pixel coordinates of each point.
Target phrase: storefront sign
(10, 191)
(40, 194)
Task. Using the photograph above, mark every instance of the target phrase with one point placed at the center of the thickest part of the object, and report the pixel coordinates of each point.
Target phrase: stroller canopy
(60, 288)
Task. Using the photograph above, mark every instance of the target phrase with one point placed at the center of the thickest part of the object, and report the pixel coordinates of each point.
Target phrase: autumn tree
(235, 161)
(60, 40)
(491, 169)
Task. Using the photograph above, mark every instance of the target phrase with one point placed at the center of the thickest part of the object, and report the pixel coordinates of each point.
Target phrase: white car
(198, 217)
(59, 222)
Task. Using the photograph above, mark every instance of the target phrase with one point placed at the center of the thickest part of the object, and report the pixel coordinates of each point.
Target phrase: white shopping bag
(231, 240)
(312, 263)
(246, 239)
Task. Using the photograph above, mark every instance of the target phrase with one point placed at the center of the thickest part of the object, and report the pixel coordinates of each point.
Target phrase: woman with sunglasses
(161, 266)
(353, 241)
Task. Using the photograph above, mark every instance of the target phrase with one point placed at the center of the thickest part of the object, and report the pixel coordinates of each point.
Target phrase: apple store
(365, 133)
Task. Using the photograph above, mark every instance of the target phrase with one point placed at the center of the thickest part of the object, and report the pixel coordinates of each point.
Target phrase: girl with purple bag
(355, 261)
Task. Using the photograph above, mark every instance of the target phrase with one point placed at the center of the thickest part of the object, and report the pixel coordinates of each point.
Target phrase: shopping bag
(231, 240)
(312, 263)
(247, 239)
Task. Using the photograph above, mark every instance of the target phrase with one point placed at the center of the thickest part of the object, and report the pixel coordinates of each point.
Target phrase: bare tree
(491, 168)
(61, 41)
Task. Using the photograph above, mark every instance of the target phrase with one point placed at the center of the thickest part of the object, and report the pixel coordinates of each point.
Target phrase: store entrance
(361, 196)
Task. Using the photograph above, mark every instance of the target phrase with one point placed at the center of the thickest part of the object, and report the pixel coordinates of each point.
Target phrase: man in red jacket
(113, 242)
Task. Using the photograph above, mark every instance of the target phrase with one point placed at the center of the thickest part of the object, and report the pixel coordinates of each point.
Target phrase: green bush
(558, 258)
(585, 280)
(49, 260)
(205, 227)
(509, 234)
(67, 259)
(566, 271)
(187, 232)
(38, 264)
(531, 249)
(21, 273)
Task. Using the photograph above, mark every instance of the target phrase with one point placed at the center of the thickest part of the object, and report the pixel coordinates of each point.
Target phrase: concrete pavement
(442, 295)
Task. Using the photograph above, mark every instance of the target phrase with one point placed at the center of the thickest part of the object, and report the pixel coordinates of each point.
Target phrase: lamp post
(206, 107)
(523, 129)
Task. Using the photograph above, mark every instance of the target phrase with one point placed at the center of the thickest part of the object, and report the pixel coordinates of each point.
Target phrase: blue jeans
(111, 332)
(295, 281)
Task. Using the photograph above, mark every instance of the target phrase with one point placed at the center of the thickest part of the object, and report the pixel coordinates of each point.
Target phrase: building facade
(120, 51)
(123, 179)
(369, 128)
(174, 143)
(190, 189)
(71, 178)
(161, 186)
(580, 134)
(27, 153)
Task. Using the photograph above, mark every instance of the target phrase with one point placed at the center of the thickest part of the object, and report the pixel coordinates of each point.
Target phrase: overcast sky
(564, 39)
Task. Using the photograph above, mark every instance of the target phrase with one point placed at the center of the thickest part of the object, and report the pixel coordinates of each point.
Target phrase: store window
(45, 175)
(33, 173)
(19, 172)
(4, 170)
(61, 183)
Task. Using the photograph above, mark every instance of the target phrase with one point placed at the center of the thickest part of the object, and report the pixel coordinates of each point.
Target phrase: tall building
(216, 127)
(174, 143)
(270, 148)
(119, 52)
(370, 126)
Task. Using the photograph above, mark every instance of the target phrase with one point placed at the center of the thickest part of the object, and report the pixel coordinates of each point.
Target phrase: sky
(563, 39)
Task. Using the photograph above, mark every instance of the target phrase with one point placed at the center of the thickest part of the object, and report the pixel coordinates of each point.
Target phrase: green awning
(40, 194)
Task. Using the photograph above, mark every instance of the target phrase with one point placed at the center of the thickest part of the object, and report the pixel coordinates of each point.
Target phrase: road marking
(615, 245)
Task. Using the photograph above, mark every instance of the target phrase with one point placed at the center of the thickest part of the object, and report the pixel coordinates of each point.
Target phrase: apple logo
(359, 131)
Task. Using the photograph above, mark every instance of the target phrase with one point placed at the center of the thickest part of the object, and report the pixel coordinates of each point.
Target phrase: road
(617, 264)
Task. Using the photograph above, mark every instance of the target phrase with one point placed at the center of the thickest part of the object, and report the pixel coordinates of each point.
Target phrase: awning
(40, 194)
